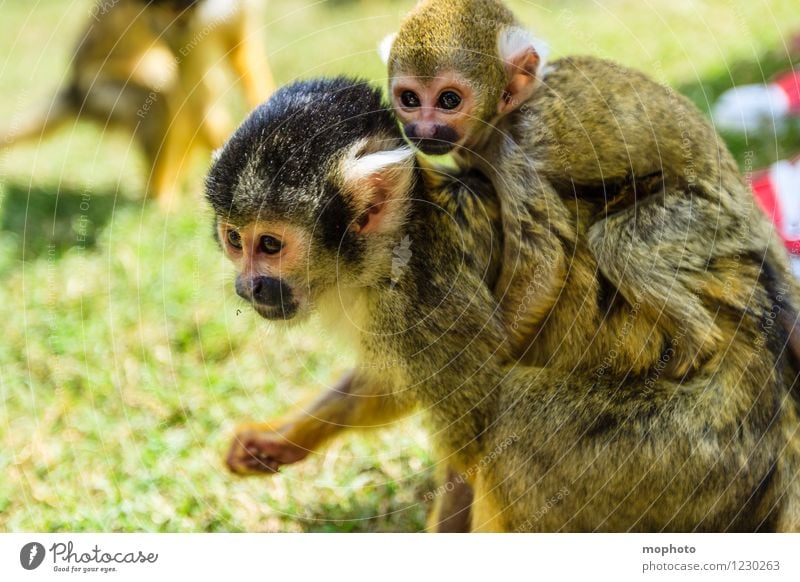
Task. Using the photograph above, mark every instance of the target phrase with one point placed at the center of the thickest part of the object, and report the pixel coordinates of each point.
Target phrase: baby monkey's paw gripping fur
(259, 449)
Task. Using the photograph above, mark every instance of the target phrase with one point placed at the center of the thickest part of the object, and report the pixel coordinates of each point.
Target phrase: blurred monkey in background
(148, 67)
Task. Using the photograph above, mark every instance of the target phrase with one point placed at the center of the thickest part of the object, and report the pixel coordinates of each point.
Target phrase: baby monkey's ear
(378, 185)
(385, 48)
(524, 58)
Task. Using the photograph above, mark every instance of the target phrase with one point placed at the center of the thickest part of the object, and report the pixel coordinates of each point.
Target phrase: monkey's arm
(535, 230)
(357, 401)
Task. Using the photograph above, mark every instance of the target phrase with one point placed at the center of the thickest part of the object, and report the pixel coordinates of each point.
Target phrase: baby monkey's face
(269, 257)
(437, 113)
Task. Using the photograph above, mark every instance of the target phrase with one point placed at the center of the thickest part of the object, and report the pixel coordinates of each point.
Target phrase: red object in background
(790, 85)
(777, 191)
(758, 108)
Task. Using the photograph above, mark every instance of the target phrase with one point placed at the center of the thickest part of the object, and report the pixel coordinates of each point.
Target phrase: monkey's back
(595, 120)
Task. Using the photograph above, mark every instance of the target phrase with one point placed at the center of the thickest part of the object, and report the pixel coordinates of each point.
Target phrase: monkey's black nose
(267, 291)
(434, 139)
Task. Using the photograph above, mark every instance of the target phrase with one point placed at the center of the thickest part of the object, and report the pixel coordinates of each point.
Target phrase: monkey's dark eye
(270, 245)
(409, 99)
(449, 100)
(234, 239)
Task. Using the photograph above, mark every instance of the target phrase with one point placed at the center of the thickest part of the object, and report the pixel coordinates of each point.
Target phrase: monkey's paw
(258, 452)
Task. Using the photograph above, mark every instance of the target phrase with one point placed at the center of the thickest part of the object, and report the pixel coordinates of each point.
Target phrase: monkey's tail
(40, 123)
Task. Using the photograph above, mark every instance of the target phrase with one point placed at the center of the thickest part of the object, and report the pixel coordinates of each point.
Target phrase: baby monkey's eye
(270, 245)
(449, 100)
(409, 99)
(234, 239)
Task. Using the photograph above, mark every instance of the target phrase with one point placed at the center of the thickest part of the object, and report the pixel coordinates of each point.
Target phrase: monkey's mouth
(433, 147)
(273, 313)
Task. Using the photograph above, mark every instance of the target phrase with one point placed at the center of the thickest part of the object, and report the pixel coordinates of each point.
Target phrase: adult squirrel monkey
(631, 442)
(144, 65)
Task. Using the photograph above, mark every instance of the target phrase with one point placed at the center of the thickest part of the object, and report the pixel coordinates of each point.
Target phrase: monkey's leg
(656, 252)
(785, 501)
(452, 509)
(787, 518)
(355, 402)
(167, 139)
(247, 57)
(204, 101)
(162, 182)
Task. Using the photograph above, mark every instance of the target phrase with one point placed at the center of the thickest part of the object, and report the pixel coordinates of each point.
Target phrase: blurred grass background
(127, 360)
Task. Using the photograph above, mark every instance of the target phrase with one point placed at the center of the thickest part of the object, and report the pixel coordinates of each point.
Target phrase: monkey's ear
(377, 183)
(385, 47)
(524, 56)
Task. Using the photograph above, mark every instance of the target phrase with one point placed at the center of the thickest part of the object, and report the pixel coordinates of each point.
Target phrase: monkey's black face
(433, 139)
(271, 297)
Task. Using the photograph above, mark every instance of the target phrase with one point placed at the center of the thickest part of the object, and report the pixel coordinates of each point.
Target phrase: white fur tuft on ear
(377, 184)
(515, 39)
(385, 47)
(361, 167)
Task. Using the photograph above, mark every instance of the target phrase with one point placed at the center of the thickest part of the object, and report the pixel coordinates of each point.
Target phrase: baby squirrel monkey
(466, 78)
(310, 221)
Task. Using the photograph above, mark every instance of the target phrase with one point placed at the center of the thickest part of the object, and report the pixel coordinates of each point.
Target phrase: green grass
(127, 360)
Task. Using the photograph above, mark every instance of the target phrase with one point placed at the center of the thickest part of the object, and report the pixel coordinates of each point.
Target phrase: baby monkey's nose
(432, 138)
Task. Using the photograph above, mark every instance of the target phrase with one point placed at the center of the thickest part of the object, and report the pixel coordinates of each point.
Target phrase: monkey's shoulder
(460, 218)
(466, 193)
